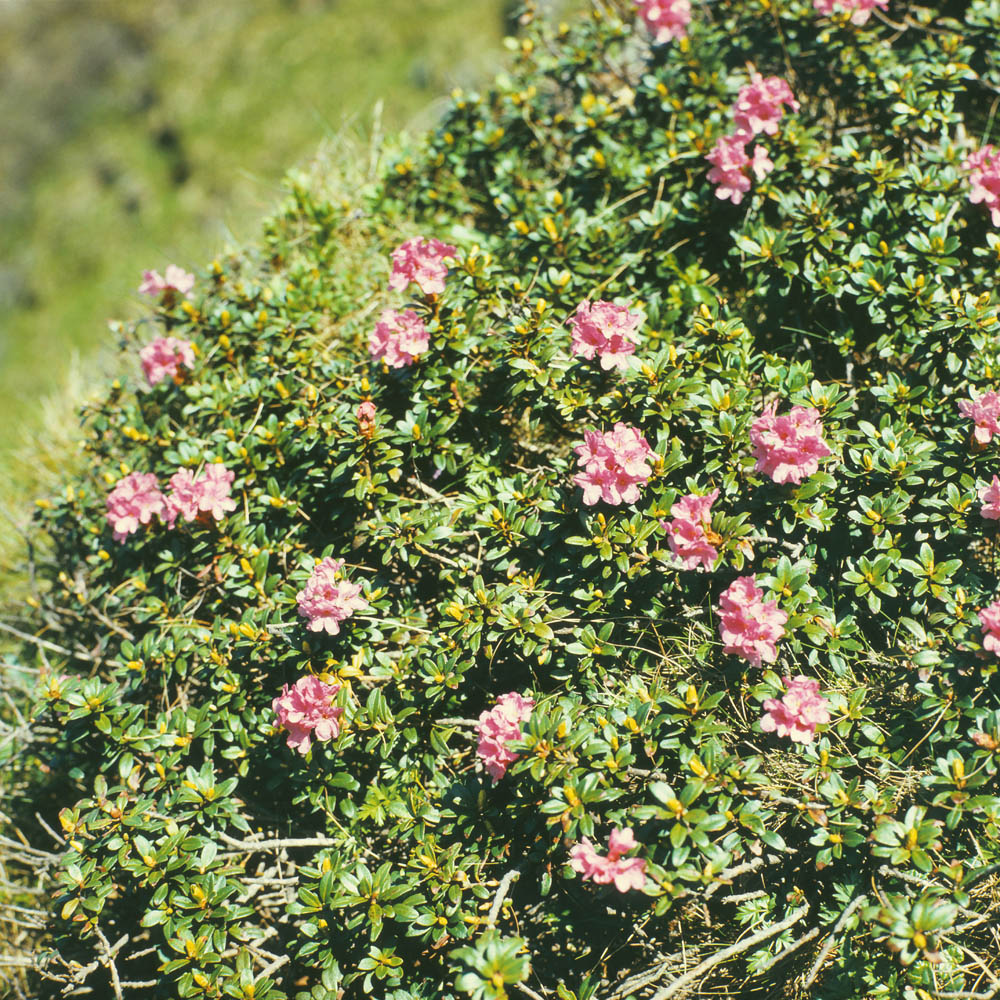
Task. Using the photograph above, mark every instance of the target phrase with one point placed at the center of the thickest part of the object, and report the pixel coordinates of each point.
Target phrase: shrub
(512, 671)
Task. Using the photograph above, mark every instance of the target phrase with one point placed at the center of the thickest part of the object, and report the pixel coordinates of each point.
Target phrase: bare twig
(831, 941)
(272, 845)
(502, 889)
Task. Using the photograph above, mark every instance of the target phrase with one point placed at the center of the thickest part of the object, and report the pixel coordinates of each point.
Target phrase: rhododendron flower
(990, 496)
(989, 619)
(163, 357)
(731, 166)
(366, 418)
(307, 711)
(984, 176)
(690, 532)
(615, 464)
(665, 19)
(984, 412)
(860, 10)
(399, 338)
(135, 500)
(499, 726)
(798, 714)
(759, 105)
(605, 330)
(749, 626)
(421, 261)
(190, 497)
(626, 873)
(175, 279)
(788, 448)
(326, 600)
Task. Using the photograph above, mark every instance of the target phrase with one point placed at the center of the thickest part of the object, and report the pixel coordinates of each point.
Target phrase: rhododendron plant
(990, 497)
(615, 464)
(860, 10)
(666, 20)
(760, 105)
(625, 873)
(499, 727)
(135, 500)
(731, 166)
(788, 448)
(798, 713)
(749, 626)
(690, 534)
(175, 279)
(421, 261)
(605, 330)
(328, 599)
(307, 711)
(984, 412)
(989, 620)
(399, 338)
(208, 494)
(162, 358)
(983, 166)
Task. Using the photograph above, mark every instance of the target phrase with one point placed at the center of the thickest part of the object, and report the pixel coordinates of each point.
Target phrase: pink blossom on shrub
(688, 532)
(860, 10)
(989, 620)
(366, 418)
(798, 713)
(307, 711)
(731, 166)
(499, 726)
(421, 261)
(626, 873)
(135, 500)
(176, 279)
(399, 338)
(665, 19)
(749, 626)
(788, 448)
(326, 600)
(759, 106)
(984, 412)
(615, 464)
(606, 330)
(163, 357)
(190, 497)
(990, 497)
(984, 176)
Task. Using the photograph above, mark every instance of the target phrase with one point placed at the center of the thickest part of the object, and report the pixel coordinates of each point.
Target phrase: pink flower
(984, 176)
(421, 261)
(326, 600)
(989, 620)
(208, 494)
(990, 496)
(984, 412)
(606, 330)
(135, 499)
(731, 166)
(759, 105)
(615, 465)
(748, 626)
(689, 532)
(307, 711)
(399, 337)
(176, 279)
(788, 448)
(860, 10)
(366, 418)
(499, 726)
(163, 357)
(665, 19)
(798, 714)
(626, 873)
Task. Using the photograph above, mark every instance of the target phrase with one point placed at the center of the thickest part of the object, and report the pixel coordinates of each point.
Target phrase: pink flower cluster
(990, 497)
(749, 626)
(498, 727)
(788, 448)
(327, 599)
(615, 464)
(690, 532)
(759, 106)
(606, 330)
(626, 873)
(306, 710)
(421, 261)
(731, 167)
(860, 10)
(798, 713)
(989, 620)
(175, 279)
(162, 358)
(137, 498)
(399, 338)
(366, 418)
(984, 412)
(665, 19)
(984, 176)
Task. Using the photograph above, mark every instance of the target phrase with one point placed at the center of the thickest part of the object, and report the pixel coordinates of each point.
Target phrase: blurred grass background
(138, 133)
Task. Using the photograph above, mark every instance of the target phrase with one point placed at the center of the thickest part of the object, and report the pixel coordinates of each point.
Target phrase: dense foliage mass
(595, 597)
